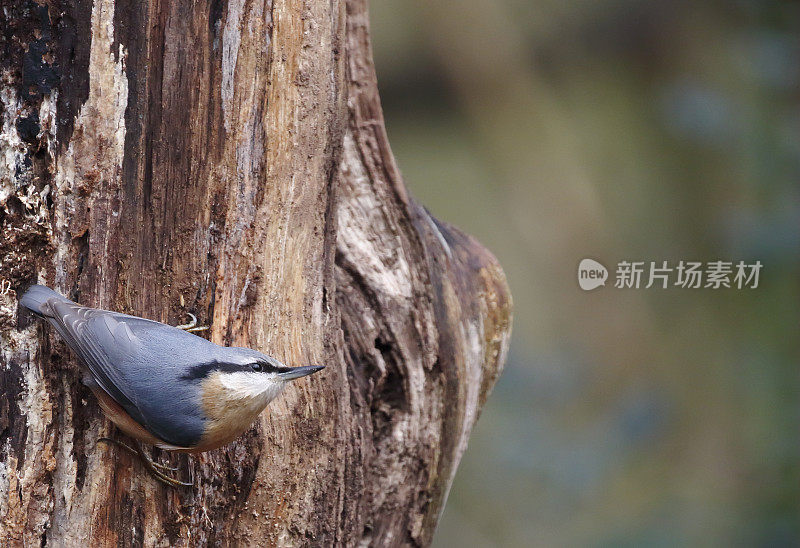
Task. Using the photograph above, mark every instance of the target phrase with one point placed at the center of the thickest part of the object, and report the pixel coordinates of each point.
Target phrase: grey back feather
(140, 363)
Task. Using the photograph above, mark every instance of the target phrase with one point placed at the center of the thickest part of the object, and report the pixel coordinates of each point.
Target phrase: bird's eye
(258, 367)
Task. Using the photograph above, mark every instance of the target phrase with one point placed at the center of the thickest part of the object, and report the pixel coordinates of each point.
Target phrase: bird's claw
(163, 478)
(156, 469)
(192, 326)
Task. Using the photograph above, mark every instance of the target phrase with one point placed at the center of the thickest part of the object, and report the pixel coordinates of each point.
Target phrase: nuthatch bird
(160, 384)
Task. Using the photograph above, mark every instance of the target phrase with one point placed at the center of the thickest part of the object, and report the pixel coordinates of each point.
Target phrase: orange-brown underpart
(227, 417)
(123, 420)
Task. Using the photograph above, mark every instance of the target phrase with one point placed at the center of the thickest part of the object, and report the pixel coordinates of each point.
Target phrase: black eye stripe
(269, 367)
(203, 370)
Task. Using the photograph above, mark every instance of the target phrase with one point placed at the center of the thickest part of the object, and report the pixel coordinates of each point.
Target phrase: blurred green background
(556, 130)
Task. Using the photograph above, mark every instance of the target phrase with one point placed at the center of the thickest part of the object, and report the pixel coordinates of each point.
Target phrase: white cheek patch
(246, 384)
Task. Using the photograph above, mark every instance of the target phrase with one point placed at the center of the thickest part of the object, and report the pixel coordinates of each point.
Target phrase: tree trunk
(229, 159)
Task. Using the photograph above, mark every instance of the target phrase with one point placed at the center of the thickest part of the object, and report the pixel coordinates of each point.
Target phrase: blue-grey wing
(100, 341)
(132, 367)
(74, 323)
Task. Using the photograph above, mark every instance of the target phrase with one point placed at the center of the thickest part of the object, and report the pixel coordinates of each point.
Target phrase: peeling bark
(230, 160)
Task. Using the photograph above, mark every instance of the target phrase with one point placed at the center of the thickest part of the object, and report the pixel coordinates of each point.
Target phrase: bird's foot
(132, 451)
(192, 326)
(153, 468)
(157, 470)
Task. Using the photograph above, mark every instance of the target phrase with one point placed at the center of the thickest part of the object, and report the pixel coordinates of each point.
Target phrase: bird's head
(235, 387)
(248, 376)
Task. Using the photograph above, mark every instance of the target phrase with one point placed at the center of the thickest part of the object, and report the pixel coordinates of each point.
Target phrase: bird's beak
(297, 372)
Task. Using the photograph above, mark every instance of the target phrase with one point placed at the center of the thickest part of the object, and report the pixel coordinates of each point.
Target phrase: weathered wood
(230, 160)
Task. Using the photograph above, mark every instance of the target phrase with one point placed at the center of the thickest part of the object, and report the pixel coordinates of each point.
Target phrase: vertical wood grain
(229, 159)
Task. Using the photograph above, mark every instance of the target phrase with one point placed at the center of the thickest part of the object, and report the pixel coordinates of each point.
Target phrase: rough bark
(229, 159)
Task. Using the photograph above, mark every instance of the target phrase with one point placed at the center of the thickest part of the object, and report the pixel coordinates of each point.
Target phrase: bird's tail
(38, 295)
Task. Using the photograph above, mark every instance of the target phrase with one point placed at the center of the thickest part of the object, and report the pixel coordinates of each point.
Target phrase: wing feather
(124, 356)
(102, 342)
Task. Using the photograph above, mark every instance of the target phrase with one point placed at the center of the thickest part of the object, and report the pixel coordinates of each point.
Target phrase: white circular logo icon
(591, 274)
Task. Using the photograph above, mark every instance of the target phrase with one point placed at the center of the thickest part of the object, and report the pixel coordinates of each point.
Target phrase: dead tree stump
(229, 159)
